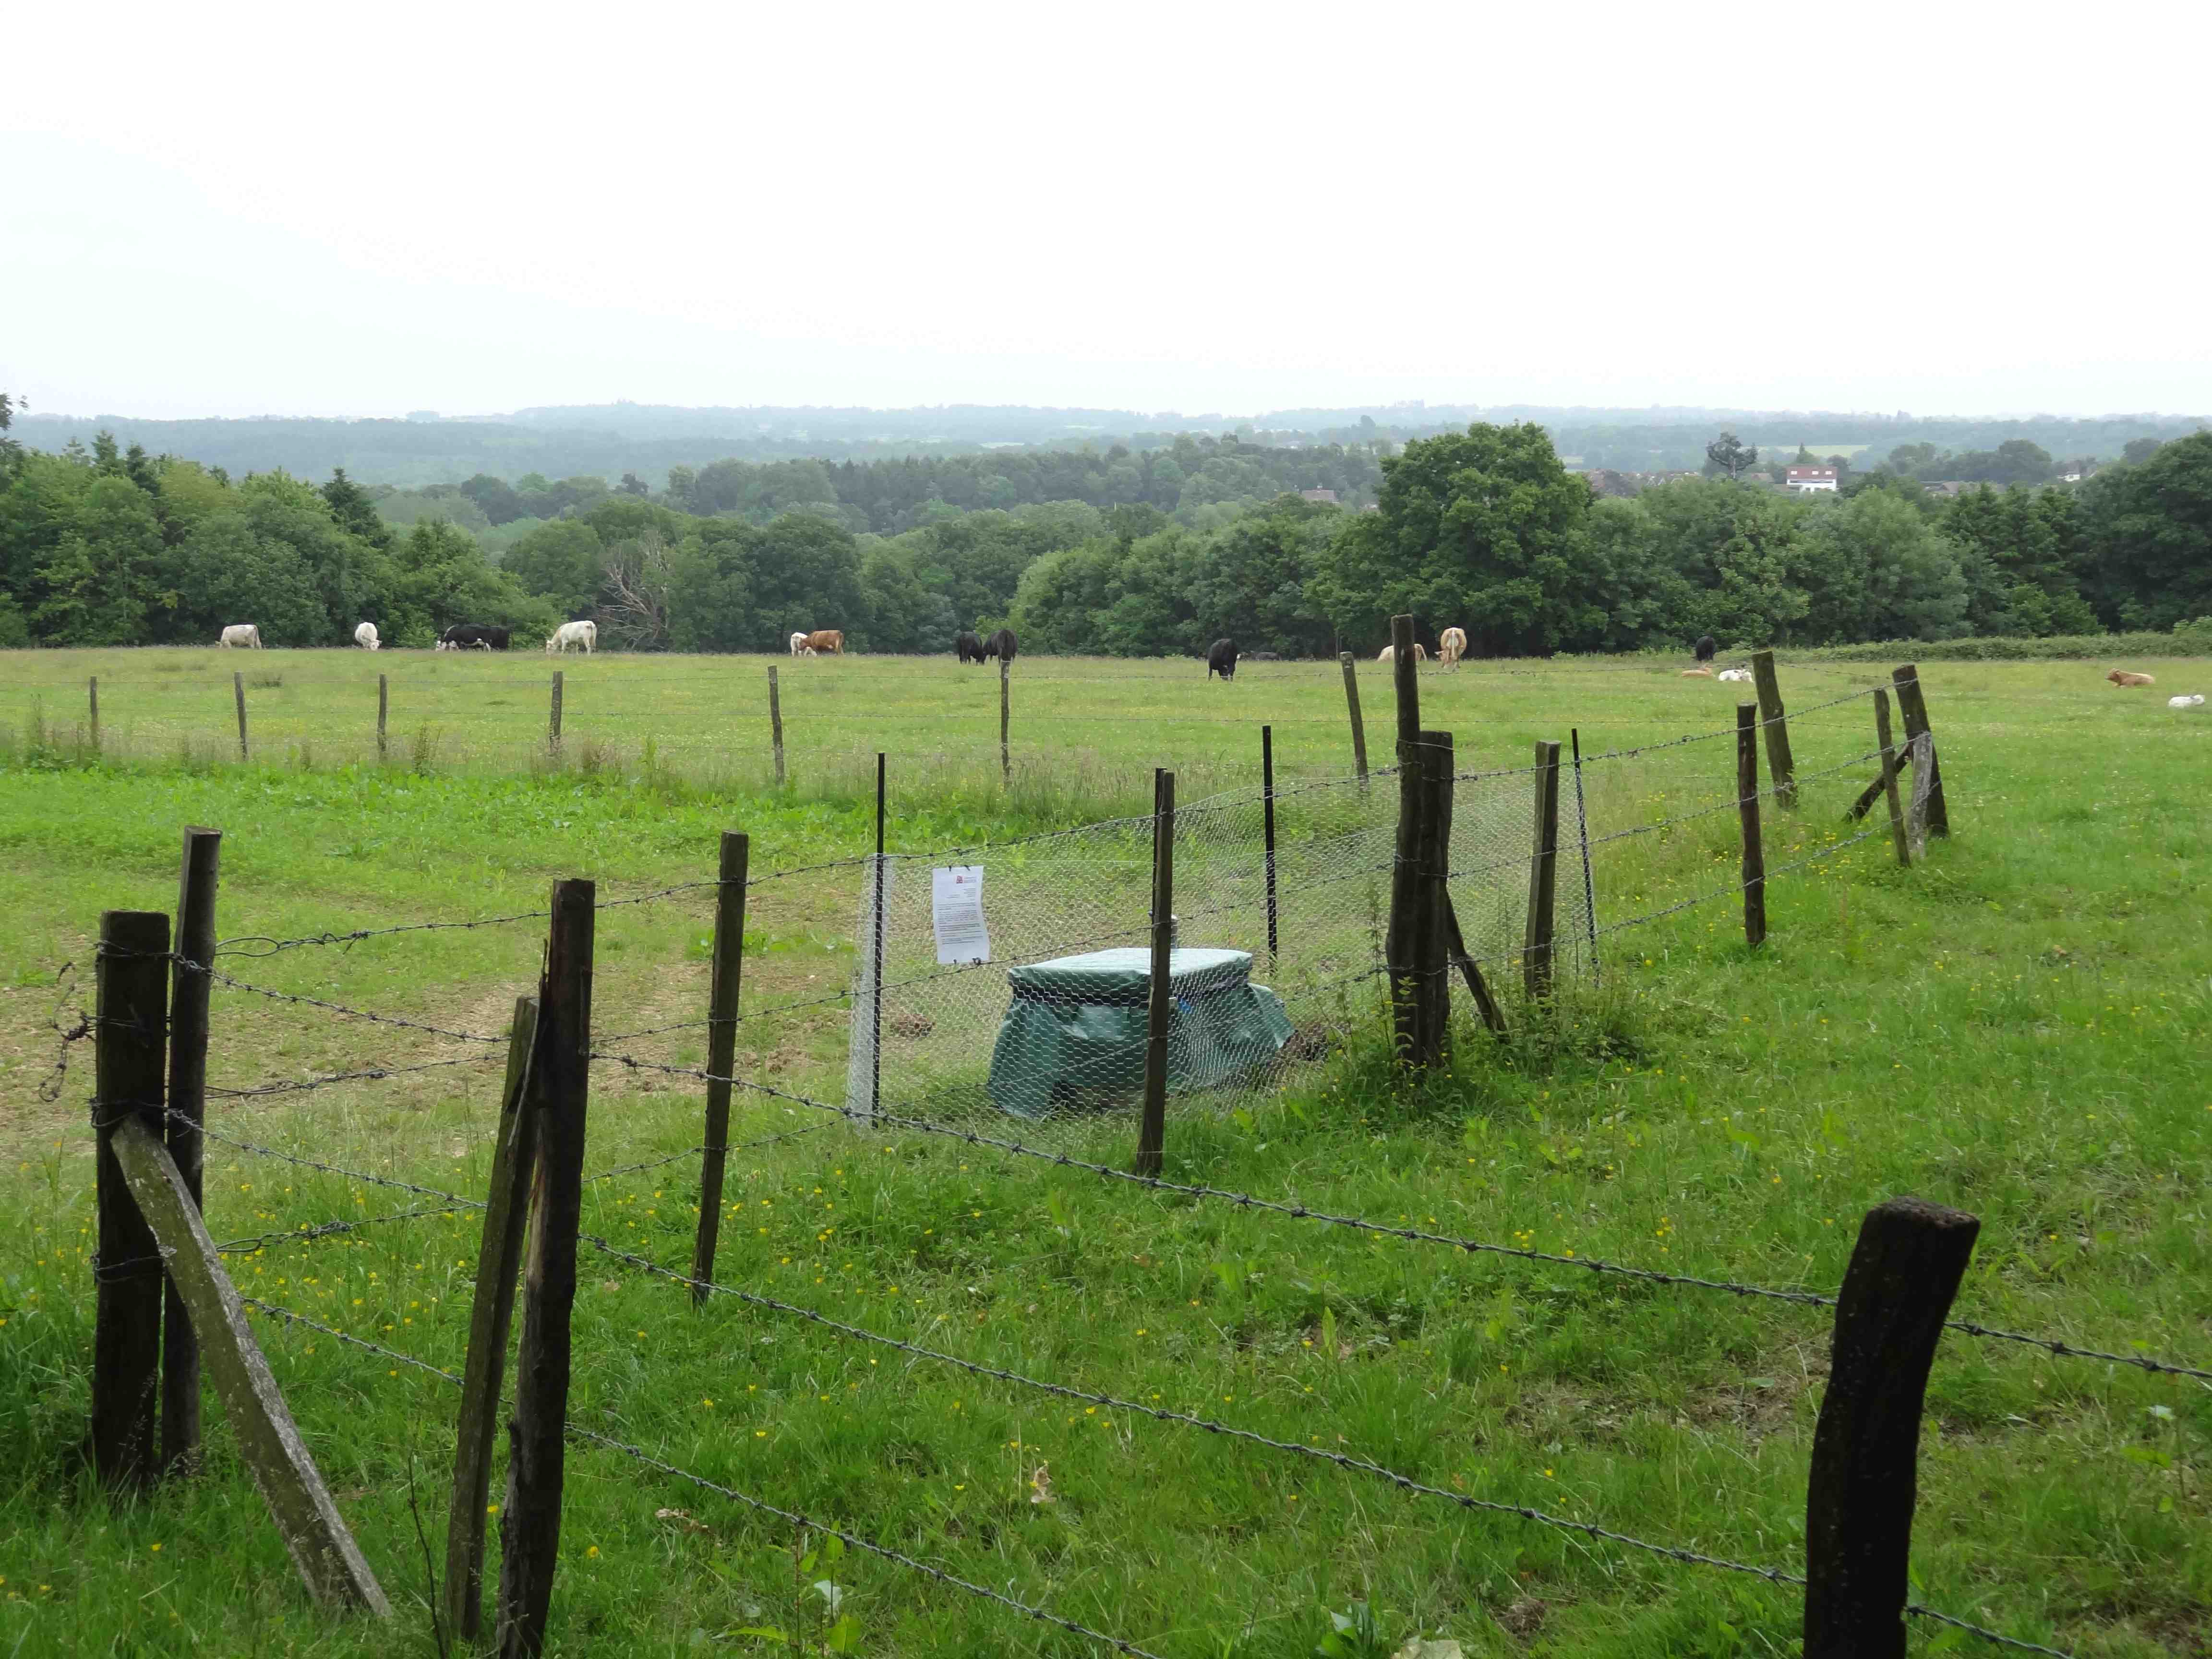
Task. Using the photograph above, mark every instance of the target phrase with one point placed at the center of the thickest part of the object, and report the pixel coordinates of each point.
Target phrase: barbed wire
(1913, 1609)
(291, 1316)
(2071, 1350)
(220, 978)
(304, 1233)
(1771, 793)
(272, 946)
(1730, 731)
(303, 1086)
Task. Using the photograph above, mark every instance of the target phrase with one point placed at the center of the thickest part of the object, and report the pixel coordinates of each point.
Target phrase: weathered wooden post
(1538, 933)
(131, 1017)
(1431, 937)
(383, 709)
(721, 1049)
(1005, 707)
(1919, 816)
(189, 992)
(491, 1315)
(1888, 780)
(1746, 807)
(553, 718)
(1913, 705)
(530, 1526)
(92, 696)
(1779, 765)
(1896, 1295)
(775, 724)
(1267, 830)
(1407, 890)
(1351, 704)
(1582, 831)
(1159, 1002)
(238, 691)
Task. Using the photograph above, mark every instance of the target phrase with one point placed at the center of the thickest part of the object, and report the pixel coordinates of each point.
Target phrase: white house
(1805, 480)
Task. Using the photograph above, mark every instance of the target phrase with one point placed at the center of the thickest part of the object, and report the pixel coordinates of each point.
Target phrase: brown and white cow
(826, 642)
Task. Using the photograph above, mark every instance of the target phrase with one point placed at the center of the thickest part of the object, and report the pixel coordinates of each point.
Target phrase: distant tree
(2147, 537)
(498, 498)
(563, 561)
(1729, 457)
(2135, 451)
(1911, 460)
(632, 485)
(350, 506)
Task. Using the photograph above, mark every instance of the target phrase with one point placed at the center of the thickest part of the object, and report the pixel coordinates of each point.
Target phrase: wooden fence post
(1267, 830)
(553, 718)
(1896, 1295)
(1746, 808)
(1471, 971)
(1160, 1004)
(130, 1014)
(721, 1049)
(1778, 761)
(1913, 705)
(383, 708)
(188, 1045)
(1006, 706)
(1351, 703)
(1543, 875)
(1581, 833)
(314, 1534)
(491, 1314)
(530, 1526)
(1430, 943)
(1881, 734)
(238, 691)
(1919, 817)
(775, 724)
(1407, 890)
(92, 694)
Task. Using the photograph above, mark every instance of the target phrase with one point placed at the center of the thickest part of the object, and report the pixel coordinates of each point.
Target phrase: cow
(481, 636)
(1221, 658)
(585, 634)
(1260, 656)
(1390, 653)
(245, 635)
(365, 637)
(2119, 676)
(969, 649)
(1696, 673)
(1451, 646)
(1706, 647)
(826, 642)
(2194, 700)
(1002, 645)
(798, 645)
(1735, 674)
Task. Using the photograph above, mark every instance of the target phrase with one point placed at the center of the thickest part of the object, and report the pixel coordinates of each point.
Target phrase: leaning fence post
(775, 724)
(553, 718)
(491, 1314)
(1543, 874)
(92, 695)
(130, 1016)
(1006, 715)
(238, 691)
(1159, 1002)
(1913, 705)
(1888, 780)
(189, 989)
(530, 1526)
(1746, 808)
(1921, 814)
(1778, 760)
(1896, 1295)
(1351, 704)
(1267, 829)
(383, 708)
(721, 1049)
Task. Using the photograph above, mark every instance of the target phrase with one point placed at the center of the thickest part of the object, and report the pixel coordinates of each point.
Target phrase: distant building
(1809, 480)
(1317, 494)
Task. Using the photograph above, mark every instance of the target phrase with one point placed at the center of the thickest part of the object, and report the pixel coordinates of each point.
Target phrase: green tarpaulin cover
(1073, 1037)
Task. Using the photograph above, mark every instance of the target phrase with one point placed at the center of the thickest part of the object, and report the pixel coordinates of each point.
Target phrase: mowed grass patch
(2017, 1027)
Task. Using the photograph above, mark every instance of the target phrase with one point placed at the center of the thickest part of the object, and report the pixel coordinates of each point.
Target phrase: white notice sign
(955, 905)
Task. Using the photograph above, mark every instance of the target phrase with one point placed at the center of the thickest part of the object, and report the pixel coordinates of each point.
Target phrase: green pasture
(2017, 1027)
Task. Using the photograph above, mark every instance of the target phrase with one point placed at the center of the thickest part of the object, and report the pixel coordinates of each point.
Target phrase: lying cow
(1451, 646)
(245, 635)
(1706, 647)
(2194, 700)
(1735, 674)
(2118, 677)
(1696, 673)
(1221, 658)
(365, 637)
(1390, 653)
(798, 645)
(476, 636)
(826, 642)
(584, 634)
(969, 649)
(1002, 645)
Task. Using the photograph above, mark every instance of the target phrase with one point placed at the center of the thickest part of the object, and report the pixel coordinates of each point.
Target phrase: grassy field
(2016, 1027)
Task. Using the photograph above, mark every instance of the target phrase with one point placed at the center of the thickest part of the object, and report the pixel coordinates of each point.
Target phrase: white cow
(1390, 652)
(245, 635)
(2195, 700)
(584, 634)
(1736, 673)
(365, 637)
(1451, 646)
(798, 645)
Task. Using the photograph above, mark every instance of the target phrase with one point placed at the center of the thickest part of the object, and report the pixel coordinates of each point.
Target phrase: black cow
(1221, 658)
(1002, 645)
(462, 636)
(969, 649)
(1705, 647)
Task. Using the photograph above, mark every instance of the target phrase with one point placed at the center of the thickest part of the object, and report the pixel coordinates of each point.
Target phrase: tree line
(1483, 529)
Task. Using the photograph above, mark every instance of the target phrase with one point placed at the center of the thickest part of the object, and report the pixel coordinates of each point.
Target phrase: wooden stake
(1919, 817)
(383, 708)
(776, 723)
(188, 1046)
(1543, 875)
(1351, 704)
(1401, 939)
(1405, 677)
(1746, 807)
(1477, 987)
(1431, 943)
(553, 718)
(491, 1315)
(1888, 780)
(1159, 1006)
(530, 1526)
(130, 1014)
(1896, 1295)
(313, 1532)
(1913, 705)
(238, 691)
(1005, 753)
(1267, 830)
(91, 693)
(1776, 725)
(721, 1049)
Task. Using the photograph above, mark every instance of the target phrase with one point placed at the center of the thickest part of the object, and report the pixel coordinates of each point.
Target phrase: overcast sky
(244, 209)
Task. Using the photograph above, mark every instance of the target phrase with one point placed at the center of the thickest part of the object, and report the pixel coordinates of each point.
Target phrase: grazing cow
(1696, 673)
(1390, 652)
(481, 636)
(827, 641)
(969, 649)
(2122, 677)
(1221, 658)
(1451, 646)
(1706, 647)
(245, 635)
(1735, 674)
(585, 634)
(2195, 699)
(1002, 645)
(365, 637)
(798, 645)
